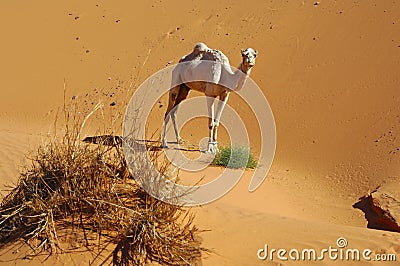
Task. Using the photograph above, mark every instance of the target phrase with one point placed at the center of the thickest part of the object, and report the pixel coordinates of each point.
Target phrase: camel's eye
(244, 52)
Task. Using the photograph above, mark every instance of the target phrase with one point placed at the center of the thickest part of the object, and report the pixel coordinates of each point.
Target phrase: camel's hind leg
(173, 93)
(182, 95)
(176, 95)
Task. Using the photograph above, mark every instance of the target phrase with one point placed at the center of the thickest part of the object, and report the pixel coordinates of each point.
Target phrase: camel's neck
(242, 74)
(245, 69)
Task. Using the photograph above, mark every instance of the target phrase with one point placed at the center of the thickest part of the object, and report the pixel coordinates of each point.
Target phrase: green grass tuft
(235, 157)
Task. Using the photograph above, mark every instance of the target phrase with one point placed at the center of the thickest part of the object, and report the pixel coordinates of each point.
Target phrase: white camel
(206, 70)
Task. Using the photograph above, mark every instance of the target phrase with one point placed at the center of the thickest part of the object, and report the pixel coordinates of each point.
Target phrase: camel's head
(249, 57)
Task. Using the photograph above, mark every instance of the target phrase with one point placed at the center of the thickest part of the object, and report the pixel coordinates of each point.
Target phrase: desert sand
(330, 72)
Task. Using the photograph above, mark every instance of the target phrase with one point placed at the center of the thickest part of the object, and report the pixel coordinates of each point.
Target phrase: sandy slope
(329, 71)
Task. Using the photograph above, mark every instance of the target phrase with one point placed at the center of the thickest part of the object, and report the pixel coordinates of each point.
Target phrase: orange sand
(329, 71)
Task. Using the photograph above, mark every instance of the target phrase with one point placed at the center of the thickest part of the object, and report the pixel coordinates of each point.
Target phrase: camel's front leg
(212, 144)
(223, 99)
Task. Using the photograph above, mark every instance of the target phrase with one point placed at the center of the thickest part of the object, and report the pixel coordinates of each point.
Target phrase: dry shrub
(83, 193)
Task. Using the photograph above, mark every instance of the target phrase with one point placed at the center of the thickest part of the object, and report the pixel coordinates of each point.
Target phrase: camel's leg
(211, 89)
(173, 94)
(183, 93)
(211, 125)
(223, 99)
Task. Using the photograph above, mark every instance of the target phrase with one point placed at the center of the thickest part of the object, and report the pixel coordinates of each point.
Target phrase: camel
(208, 71)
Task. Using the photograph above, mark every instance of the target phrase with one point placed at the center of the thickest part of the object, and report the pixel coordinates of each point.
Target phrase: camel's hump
(200, 47)
(201, 52)
(215, 55)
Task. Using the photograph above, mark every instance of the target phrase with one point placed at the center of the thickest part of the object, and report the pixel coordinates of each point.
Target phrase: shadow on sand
(152, 145)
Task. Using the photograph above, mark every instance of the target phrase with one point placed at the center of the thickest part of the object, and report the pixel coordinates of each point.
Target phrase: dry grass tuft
(77, 195)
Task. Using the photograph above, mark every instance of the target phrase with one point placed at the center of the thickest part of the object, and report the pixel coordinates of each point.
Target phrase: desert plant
(235, 157)
(85, 190)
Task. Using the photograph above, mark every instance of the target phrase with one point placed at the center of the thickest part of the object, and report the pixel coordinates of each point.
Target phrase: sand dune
(329, 70)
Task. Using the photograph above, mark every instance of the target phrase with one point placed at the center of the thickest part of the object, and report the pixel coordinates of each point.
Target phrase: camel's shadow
(151, 145)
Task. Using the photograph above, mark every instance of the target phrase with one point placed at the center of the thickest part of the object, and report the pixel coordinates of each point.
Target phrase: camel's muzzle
(249, 62)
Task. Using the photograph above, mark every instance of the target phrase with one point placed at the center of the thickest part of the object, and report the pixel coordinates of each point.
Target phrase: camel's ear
(255, 52)
(242, 51)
